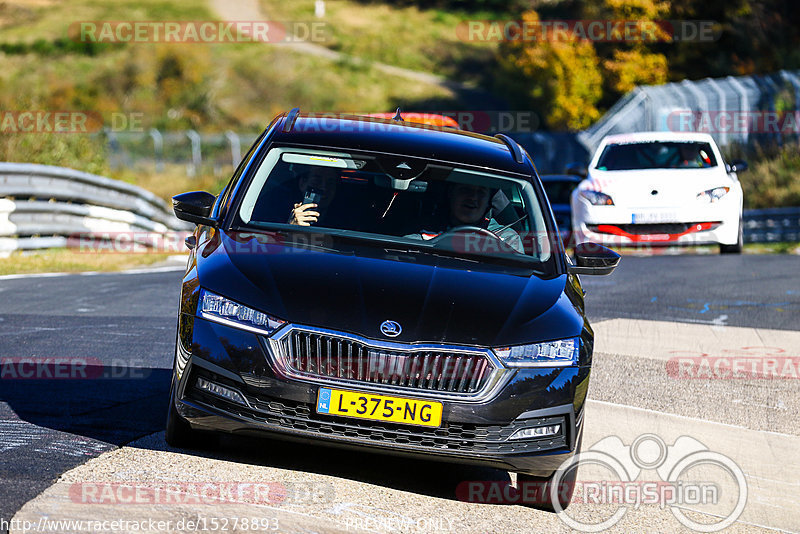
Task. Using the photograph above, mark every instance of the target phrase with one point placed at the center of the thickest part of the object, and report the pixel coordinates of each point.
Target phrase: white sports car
(659, 188)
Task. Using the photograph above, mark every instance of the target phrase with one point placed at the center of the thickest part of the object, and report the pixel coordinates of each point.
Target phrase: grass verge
(70, 261)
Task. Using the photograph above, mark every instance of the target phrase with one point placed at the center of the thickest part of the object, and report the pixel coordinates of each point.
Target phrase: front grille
(331, 356)
(649, 229)
(455, 438)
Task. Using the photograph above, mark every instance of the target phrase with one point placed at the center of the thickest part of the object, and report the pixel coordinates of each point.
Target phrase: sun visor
(322, 161)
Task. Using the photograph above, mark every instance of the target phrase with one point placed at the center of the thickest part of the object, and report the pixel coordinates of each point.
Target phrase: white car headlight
(596, 198)
(551, 353)
(712, 195)
(225, 311)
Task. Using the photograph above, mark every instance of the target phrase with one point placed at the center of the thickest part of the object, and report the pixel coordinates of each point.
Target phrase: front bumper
(651, 226)
(472, 432)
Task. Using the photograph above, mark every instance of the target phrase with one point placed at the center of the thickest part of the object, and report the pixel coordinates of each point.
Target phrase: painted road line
(146, 270)
(667, 340)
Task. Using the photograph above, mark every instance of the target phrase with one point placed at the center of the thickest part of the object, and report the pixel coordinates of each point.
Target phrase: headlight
(562, 352)
(226, 311)
(596, 198)
(712, 195)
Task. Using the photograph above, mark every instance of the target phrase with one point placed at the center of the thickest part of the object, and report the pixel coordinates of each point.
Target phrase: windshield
(656, 155)
(398, 199)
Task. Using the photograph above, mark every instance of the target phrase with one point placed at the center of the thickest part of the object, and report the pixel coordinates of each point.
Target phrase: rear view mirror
(195, 207)
(592, 258)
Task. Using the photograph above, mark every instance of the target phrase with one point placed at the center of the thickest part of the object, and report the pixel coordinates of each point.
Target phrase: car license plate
(379, 407)
(653, 217)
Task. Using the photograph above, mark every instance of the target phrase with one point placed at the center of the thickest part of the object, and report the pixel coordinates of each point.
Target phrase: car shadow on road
(93, 403)
(130, 409)
(424, 477)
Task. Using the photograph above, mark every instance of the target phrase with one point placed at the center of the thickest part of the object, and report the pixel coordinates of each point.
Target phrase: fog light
(221, 391)
(536, 432)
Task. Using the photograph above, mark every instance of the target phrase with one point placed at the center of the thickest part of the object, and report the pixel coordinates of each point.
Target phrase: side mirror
(577, 169)
(592, 258)
(194, 207)
(737, 165)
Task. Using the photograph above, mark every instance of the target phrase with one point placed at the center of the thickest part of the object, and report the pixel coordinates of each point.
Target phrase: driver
(468, 205)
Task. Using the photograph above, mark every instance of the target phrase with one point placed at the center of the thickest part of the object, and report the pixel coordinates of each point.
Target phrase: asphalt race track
(649, 311)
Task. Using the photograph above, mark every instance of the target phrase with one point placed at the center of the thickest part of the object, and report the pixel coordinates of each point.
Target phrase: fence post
(158, 149)
(113, 147)
(723, 135)
(744, 103)
(197, 159)
(236, 148)
(795, 81)
(699, 97)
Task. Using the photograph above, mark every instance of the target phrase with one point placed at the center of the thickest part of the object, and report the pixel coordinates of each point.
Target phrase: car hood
(431, 299)
(673, 187)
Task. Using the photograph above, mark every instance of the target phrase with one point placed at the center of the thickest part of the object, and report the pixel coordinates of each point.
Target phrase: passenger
(319, 182)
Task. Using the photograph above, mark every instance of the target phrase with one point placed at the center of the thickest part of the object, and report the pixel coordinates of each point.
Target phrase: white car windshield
(656, 155)
(400, 199)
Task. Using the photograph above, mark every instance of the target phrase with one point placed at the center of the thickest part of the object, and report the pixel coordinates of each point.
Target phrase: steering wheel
(468, 228)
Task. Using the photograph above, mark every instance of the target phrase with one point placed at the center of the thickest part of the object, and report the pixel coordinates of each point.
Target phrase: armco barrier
(772, 225)
(40, 205)
(46, 204)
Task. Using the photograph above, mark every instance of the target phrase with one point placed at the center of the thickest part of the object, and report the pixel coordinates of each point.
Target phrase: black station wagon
(376, 284)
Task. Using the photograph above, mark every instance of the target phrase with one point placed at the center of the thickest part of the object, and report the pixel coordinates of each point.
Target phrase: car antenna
(397, 117)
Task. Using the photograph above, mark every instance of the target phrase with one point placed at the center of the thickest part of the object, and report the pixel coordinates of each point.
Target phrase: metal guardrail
(41, 206)
(45, 205)
(772, 225)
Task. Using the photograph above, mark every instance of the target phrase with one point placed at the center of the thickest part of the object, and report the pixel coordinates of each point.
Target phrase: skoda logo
(391, 328)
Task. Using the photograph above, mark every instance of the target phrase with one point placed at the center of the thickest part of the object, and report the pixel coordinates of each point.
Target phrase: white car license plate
(653, 217)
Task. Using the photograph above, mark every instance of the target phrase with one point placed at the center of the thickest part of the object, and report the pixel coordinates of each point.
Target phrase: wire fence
(747, 111)
(198, 153)
(744, 110)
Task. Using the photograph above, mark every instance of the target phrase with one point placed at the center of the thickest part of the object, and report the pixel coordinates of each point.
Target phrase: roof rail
(291, 117)
(512, 145)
